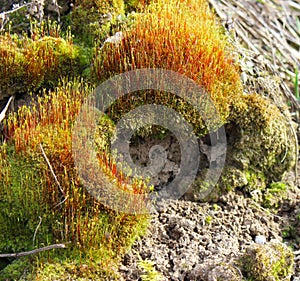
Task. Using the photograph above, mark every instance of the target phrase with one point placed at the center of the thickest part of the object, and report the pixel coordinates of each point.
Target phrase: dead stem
(52, 172)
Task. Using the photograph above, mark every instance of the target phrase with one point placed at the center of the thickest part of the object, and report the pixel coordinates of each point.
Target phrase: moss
(16, 269)
(69, 268)
(263, 148)
(232, 178)
(20, 205)
(274, 195)
(264, 138)
(260, 150)
(200, 190)
(135, 5)
(208, 220)
(255, 180)
(183, 44)
(28, 64)
(29, 194)
(150, 274)
(268, 262)
(92, 21)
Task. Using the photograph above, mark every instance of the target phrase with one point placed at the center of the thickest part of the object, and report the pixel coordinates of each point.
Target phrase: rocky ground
(203, 241)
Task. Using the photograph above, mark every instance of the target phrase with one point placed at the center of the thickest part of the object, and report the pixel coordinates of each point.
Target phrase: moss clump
(268, 262)
(150, 273)
(182, 36)
(21, 204)
(265, 143)
(261, 145)
(260, 150)
(92, 20)
(33, 205)
(274, 195)
(28, 64)
(255, 180)
(232, 178)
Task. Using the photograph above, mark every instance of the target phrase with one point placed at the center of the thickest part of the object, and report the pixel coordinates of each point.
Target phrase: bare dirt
(203, 241)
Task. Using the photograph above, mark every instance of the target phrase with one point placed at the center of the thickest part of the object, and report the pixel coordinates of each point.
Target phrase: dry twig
(22, 254)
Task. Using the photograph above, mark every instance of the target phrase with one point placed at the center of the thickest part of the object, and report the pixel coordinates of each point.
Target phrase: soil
(203, 241)
(187, 240)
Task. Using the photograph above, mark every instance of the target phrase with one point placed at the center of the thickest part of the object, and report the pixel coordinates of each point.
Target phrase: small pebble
(260, 239)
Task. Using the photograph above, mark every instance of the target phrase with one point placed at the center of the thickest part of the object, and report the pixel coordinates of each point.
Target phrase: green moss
(69, 268)
(150, 273)
(268, 262)
(21, 204)
(232, 178)
(32, 204)
(28, 64)
(264, 148)
(274, 195)
(261, 149)
(264, 137)
(255, 180)
(208, 220)
(93, 21)
(16, 269)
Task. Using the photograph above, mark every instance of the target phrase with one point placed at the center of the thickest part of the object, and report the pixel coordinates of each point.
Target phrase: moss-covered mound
(182, 36)
(92, 21)
(261, 150)
(29, 64)
(42, 199)
(264, 146)
(185, 37)
(268, 262)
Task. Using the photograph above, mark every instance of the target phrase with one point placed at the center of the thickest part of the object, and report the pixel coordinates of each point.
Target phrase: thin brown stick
(62, 202)
(43, 249)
